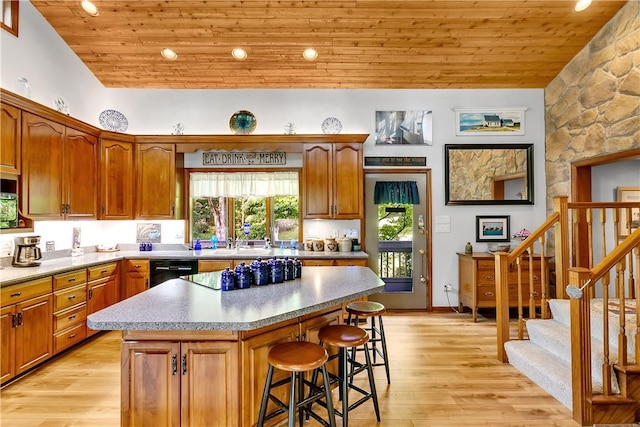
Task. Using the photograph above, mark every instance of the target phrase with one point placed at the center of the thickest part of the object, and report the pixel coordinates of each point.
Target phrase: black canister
(277, 271)
(259, 270)
(243, 276)
(227, 280)
(297, 268)
(288, 269)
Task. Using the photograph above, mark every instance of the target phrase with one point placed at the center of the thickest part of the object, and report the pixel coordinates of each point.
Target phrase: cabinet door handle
(19, 319)
(488, 277)
(14, 321)
(73, 316)
(146, 283)
(72, 297)
(488, 294)
(137, 266)
(17, 294)
(174, 364)
(71, 336)
(102, 209)
(90, 294)
(535, 294)
(104, 271)
(184, 364)
(72, 279)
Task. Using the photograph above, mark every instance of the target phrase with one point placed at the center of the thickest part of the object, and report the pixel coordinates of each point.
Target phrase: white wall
(54, 70)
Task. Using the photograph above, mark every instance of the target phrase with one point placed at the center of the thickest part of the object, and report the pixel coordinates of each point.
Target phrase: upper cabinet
(10, 131)
(116, 179)
(333, 187)
(59, 170)
(155, 181)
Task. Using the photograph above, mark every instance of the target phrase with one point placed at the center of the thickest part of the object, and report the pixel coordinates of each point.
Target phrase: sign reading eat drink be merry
(245, 158)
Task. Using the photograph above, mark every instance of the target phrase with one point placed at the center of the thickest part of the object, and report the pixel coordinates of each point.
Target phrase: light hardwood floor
(444, 372)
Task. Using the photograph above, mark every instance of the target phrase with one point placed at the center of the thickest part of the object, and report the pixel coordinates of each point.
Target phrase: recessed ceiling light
(239, 54)
(582, 5)
(310, 54)
(168, 54)
(90, 8)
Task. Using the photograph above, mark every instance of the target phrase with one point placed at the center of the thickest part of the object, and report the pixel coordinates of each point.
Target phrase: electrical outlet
(448, 287)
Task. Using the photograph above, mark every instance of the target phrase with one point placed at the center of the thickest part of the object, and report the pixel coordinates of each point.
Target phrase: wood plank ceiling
(361, 43)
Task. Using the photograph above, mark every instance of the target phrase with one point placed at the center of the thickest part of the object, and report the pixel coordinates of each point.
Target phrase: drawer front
(486, 277)
(69, 337)
(486, 264)
(27, 290)
(141, 265)
(487, 293)
(101, 271)
(69, 297)
(67, 318)
(61, 281)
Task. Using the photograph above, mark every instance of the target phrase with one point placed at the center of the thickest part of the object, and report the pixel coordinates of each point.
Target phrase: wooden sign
(244, 158)
(395, 161)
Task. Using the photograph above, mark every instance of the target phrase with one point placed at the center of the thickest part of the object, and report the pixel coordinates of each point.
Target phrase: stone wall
(593, 106)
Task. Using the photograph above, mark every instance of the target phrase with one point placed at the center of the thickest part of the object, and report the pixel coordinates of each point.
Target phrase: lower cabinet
(334, 262)
(136, 277)
(26, 328)
(69, 309)
(102, 289)
(180, 383)
(206, 378)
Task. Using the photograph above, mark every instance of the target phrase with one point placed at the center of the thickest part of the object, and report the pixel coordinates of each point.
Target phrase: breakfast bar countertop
(179, 304)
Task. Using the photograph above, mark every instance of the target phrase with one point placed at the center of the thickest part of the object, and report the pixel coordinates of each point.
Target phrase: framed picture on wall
(493, 228)
(490, 121)
(629, 194)
(404, 127)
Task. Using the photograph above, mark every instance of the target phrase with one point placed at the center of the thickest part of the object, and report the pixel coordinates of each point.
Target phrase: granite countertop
(179, 304)
(12, 275)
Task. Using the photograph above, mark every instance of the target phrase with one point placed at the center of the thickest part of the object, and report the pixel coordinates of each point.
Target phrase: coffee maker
(27, 253)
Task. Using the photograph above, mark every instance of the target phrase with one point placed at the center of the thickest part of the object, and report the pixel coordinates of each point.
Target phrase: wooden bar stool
(373, 310)
(344, 337)
(297, 357)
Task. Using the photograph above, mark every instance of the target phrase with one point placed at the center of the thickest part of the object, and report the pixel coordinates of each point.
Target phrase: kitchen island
(192, 355)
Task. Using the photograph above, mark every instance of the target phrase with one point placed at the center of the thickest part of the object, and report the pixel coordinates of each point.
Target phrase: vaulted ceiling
(361, 43)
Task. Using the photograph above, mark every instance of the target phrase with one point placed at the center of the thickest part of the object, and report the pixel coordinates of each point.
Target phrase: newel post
(502, 302)
(561, 241)
(581, 385)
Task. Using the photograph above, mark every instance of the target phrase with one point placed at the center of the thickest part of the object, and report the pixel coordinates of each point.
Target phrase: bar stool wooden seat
(344, 337)
(373, 310)
(297, 357)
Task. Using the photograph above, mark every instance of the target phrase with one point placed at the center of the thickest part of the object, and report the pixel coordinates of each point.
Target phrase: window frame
(230, 200)
(13, 26)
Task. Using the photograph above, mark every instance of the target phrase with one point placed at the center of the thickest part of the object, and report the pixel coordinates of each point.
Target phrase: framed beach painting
(490, 121)
(492, 228)
(629, 194)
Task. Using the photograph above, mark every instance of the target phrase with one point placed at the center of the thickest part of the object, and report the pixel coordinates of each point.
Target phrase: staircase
(545, 357)
(582, 349)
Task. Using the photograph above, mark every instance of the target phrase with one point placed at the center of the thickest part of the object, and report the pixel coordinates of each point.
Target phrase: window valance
(243, 184)
(401, 192)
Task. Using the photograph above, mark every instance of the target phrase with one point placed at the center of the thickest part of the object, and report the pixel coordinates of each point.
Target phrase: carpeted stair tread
(548, 371)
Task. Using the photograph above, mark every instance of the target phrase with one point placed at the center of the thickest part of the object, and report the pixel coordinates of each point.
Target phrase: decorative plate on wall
(331, 125)
(113, 120)
(242, 122)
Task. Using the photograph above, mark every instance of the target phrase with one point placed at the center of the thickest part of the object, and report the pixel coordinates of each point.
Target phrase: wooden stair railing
(571, 233)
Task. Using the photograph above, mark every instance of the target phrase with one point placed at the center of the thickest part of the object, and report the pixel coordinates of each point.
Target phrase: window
(10, 16)
(244, 206)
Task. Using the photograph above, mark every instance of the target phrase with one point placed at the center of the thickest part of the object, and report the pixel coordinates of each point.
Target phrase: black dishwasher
(165, 269)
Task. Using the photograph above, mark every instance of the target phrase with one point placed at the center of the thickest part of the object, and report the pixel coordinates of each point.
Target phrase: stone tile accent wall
(593, 106)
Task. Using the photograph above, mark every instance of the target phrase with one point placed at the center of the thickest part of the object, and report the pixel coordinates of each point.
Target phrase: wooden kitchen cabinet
(255, 352)
(10, 135)
(136, 277)
(209, 265)
(102, 289)
(477, 281)
(155, 181)
(26, 326)
(180, 383)
(334, 262)
(69, 309)
(333, 181)
(116, 179)
(59, 170)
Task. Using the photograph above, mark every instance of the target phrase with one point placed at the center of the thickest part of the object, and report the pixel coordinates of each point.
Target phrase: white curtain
(243, 184)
